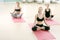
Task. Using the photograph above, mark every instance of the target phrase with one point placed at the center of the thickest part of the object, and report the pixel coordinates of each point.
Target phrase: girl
(39, 18)
(17, 11)
(48, 14)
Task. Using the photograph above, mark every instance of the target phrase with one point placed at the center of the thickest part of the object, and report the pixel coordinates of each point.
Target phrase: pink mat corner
(52, 22)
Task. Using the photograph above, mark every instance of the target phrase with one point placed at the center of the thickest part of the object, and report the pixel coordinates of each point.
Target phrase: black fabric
(17, 9)
(40, 25)
(38, 19)
(47, 28)
(34, 28)
(52, 16)
(47, 13)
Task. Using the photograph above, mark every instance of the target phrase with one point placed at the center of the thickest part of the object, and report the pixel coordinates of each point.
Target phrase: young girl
(39, 19)
(17, 11)
(48, 14)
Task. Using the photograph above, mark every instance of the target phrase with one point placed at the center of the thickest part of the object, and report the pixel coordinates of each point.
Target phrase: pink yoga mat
(18, 20)
(52, 22)
(43, 35)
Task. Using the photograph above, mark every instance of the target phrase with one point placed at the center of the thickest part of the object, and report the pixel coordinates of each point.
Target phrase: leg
(49, 18)
(21, 15)
(52, 16)
(47, 28)
(34, 28)
(13, 15)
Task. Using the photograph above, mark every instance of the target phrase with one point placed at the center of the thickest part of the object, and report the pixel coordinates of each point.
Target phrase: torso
(47, 13)
(17, 9)
(40, 19)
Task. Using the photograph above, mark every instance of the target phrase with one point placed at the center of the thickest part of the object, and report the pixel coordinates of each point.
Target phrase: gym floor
(21, 31)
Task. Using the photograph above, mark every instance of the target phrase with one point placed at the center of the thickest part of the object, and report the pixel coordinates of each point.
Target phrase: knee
(52, 16)
(34, 28)
(47, 28)
(13, 16)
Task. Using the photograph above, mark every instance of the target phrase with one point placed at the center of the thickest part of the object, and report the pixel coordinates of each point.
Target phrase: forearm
(46, 23)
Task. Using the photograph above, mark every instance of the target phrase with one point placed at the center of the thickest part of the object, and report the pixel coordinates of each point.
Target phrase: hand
(38, 28)
(34, 23)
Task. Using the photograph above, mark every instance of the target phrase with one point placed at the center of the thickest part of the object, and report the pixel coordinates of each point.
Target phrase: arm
(35, 19)
(13, 10)
(50, 12)
(45, 21)
(52, 15)
(44, 14)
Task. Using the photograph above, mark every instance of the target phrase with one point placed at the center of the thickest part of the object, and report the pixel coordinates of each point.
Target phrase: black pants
(15, 15)
(50, 16)
(40, 25)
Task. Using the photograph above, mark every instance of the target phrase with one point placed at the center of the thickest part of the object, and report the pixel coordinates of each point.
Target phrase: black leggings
(40, 25)
(50, 16)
